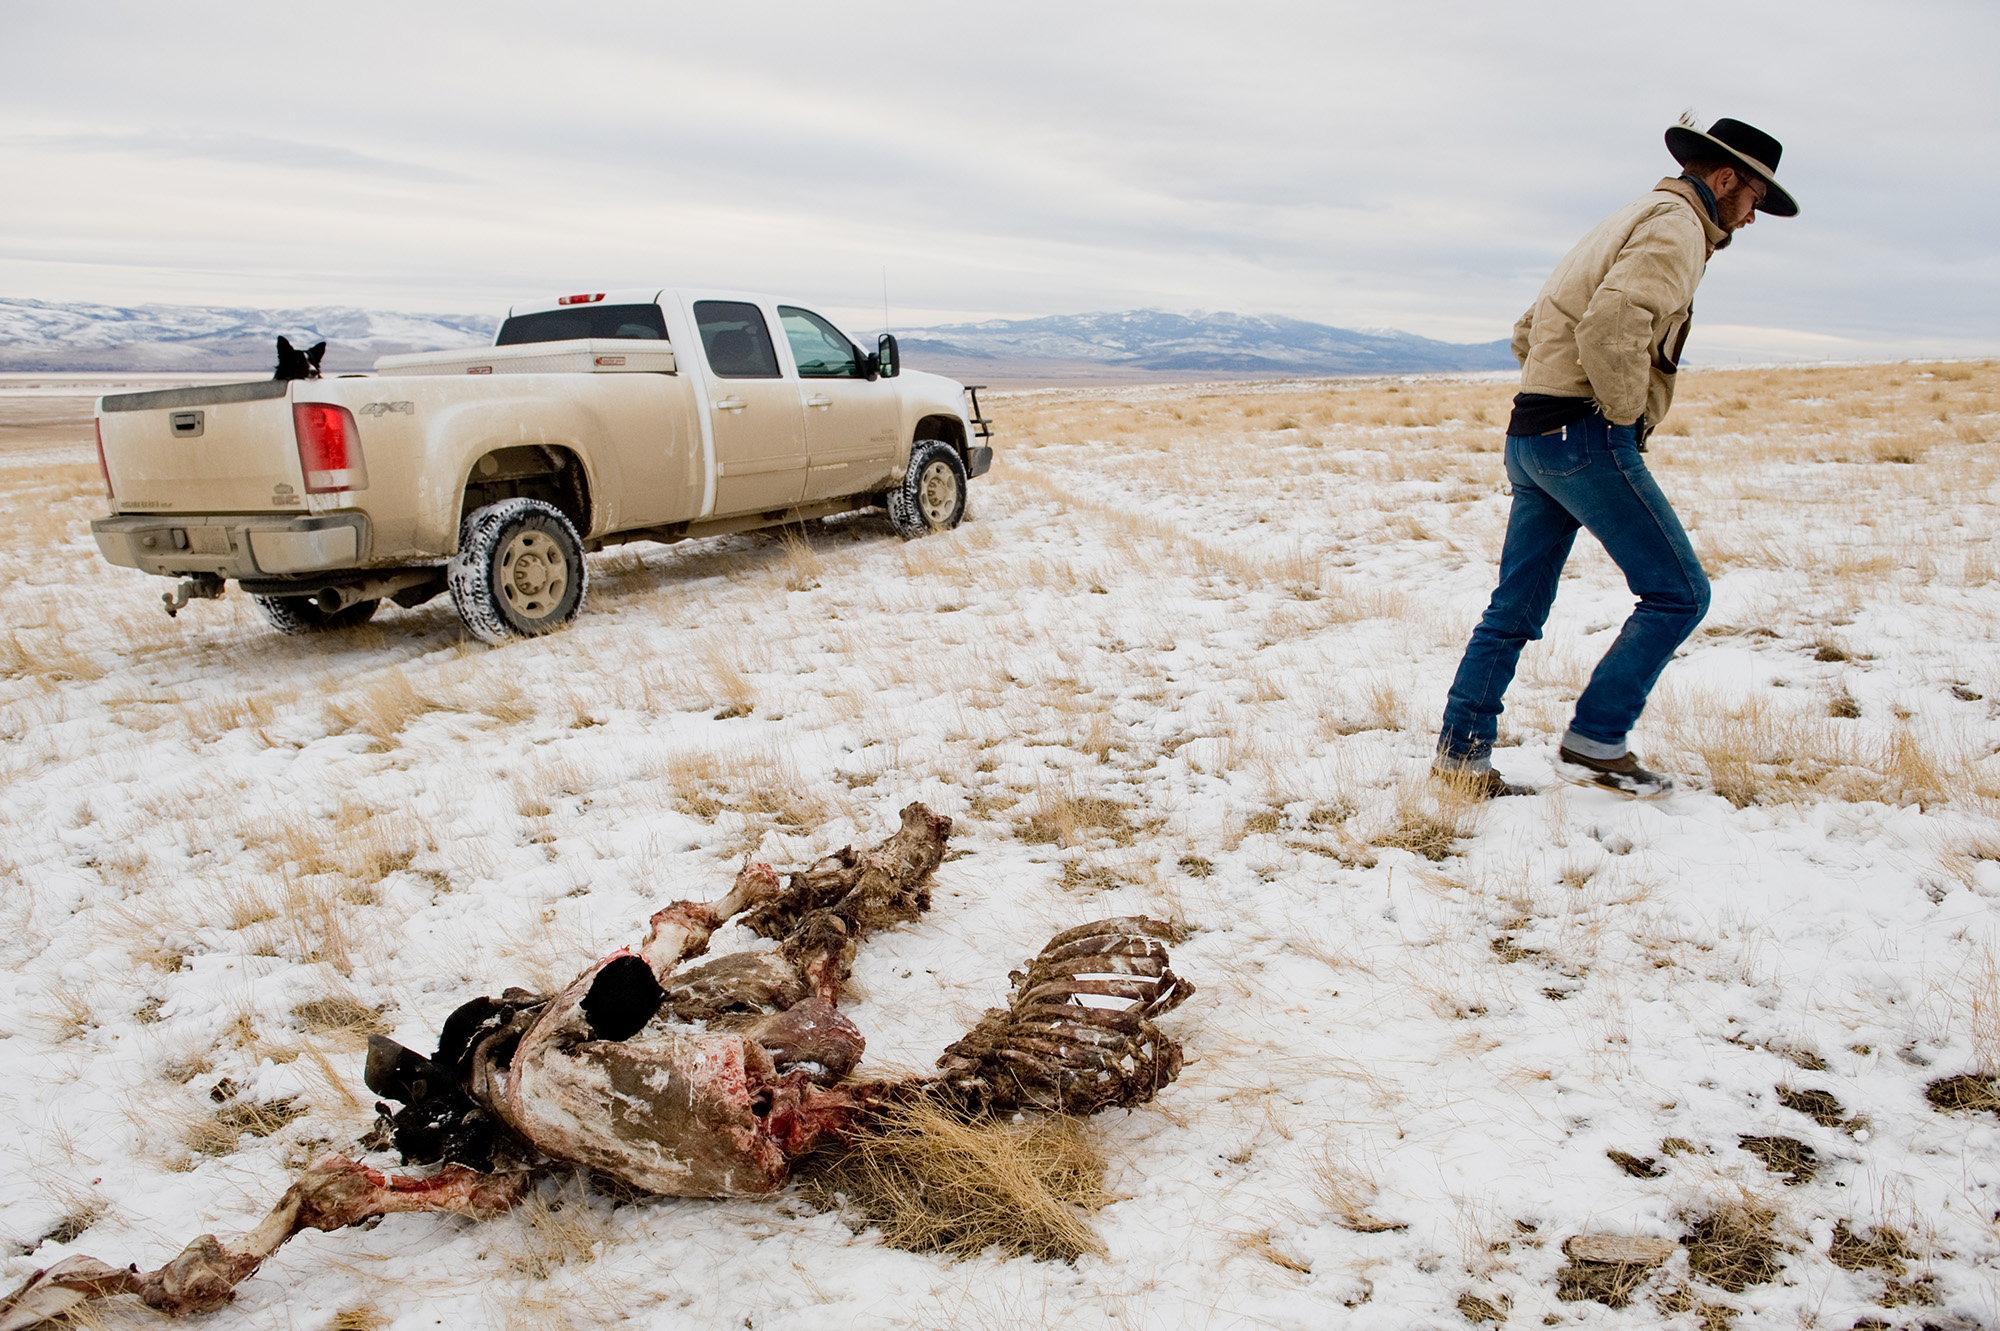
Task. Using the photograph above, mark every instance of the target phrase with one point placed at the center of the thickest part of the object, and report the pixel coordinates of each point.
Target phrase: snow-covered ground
(1185, 660)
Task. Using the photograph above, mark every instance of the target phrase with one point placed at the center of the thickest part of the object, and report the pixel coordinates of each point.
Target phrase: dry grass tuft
(1348, 1192)
(1968, 1091)
(1788, 1157)
(81, 1209)
(1610, 1283)
(1432, 815)
(803, 567)
(384, 708)
(1061, 817)
(1735, 1244)
(556, 1229)
(218, 1133)
(1882, 1248)
(934, 1181)
(1475, 1309)
(1822, 1107)
(342, 1013)
(359, 1317)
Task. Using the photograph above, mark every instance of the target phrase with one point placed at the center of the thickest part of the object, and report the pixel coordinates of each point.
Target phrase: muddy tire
(932, 495)
(519, 571)
(298, 616)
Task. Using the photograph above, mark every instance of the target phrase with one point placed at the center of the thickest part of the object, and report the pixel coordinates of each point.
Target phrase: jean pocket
(1560, 454)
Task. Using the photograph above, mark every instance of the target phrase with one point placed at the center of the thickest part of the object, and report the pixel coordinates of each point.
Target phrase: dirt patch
(1789, 1157)
(1967, 1091)
(1734, 1246)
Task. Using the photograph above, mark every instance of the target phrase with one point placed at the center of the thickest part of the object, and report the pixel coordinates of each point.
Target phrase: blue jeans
(1588, 475)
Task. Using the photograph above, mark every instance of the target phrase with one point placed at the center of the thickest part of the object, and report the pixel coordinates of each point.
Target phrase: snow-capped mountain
(1155, 340)
(48, 336)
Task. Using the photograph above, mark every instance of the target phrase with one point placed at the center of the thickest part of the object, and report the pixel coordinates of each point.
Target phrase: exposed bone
(736, 989)
(706, 1082)
(887, 885)
(333, 1194)
(682, 930)
(1048, 1050)
(719, 1112)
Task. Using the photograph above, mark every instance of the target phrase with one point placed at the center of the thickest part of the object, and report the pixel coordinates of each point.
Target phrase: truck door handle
(818, 401)
(731, 404)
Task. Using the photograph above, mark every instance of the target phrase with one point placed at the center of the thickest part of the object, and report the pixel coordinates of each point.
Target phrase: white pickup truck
(594, 419)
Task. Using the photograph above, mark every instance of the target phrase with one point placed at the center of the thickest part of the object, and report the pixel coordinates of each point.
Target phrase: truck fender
(464, 433)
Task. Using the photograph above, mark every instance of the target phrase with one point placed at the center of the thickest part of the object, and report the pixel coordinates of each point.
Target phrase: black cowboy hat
(1735, 142)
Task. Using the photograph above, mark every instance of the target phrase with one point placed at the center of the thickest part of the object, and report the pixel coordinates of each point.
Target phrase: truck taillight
(585, 299)
(103, 467)
(329, 448)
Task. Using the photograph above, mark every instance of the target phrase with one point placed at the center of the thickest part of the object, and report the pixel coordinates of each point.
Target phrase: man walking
(1598, 352)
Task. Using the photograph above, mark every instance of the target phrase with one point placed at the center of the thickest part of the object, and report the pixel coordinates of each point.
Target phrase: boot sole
(1589, 776)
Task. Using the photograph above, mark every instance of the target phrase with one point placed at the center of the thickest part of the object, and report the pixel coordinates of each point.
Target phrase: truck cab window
(628, 322)
(736, 339)
(822, 351)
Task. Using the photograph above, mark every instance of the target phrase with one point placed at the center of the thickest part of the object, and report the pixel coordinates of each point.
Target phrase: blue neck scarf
(1706, 195)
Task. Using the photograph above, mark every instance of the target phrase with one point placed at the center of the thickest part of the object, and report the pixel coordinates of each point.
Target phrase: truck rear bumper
(233, 545)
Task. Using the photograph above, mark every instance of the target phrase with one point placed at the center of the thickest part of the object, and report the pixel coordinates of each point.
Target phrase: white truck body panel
(645, 438)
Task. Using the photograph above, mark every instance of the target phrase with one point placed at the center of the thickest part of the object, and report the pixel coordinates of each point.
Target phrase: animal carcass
(705, 1081)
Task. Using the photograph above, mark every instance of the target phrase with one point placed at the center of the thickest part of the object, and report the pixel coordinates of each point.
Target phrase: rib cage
(1048, 1051)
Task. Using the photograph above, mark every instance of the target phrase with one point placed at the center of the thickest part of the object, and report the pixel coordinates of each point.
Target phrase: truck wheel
(932, 495)
(297, 616)
(519, 571)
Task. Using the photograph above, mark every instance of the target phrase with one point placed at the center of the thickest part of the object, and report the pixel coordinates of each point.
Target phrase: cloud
(254, 150)
(1420, 165)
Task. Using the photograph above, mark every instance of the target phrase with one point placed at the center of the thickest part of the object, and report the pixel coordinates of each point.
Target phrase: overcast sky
(1384, 164)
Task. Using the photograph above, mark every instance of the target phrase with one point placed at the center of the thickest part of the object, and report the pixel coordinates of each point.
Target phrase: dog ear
(315, 351)
(284, 345)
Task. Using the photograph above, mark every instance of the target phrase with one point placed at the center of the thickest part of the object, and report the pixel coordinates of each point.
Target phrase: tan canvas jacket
(1611, 320)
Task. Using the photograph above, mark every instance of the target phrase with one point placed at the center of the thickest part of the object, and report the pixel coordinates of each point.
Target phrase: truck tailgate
(226, 448)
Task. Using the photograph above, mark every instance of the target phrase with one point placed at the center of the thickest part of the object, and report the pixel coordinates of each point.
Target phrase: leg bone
(333, 1194)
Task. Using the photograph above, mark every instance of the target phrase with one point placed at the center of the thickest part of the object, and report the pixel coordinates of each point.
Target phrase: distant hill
(45, 336)
(1155, 344)
(1136, 345)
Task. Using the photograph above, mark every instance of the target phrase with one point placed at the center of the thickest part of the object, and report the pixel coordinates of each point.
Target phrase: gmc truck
(592, 420)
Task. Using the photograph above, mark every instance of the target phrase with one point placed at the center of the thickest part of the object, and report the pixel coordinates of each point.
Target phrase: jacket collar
(1681, 189)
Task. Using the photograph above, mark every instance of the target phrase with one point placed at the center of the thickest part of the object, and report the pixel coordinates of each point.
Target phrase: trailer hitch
(202, 586)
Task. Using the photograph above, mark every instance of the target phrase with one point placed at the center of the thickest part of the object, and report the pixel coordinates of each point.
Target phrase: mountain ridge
(56, 337)
(1158, 341)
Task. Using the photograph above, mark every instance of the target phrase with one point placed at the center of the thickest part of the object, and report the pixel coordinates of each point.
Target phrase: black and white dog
(296, 364)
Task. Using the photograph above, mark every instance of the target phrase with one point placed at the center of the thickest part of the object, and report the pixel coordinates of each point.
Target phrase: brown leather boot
(1484, 783)
(1622, 774)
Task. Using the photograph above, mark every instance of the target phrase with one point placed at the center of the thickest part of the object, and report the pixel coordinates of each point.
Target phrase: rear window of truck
(631, 322)
(736, 339)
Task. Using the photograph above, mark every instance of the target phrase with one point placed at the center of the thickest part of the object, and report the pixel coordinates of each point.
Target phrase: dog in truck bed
(296, 364)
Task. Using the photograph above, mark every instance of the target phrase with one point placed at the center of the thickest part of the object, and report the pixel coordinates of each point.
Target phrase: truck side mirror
(888, 360)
